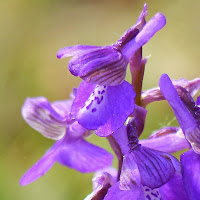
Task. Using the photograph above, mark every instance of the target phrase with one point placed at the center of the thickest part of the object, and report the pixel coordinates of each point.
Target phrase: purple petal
(198, 101)
(155, 94)
(103, 180)
(74, 132)
(193, 136)
(191, 169)
(153, 26)
(184, 118)
(151, 95)
(83, 156)
(156, 168)
(114, 193)
(121, 138)
(169, 143)
(165, 131)
(191, 86)
(97, 180)
(130, 175)
(174, 189)
(42, 166)
(102, 66)
(140, 116)
(106, 109)
(143, 14)
(71, 51)
(46, 119)
(134, 30)
(82, 95)
(140, 193)
(62, 107)
(152, 194)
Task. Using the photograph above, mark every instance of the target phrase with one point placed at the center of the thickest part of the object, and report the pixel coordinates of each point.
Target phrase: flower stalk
(137, 67)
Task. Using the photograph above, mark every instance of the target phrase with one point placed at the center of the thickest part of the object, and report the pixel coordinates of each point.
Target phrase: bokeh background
(32, 32)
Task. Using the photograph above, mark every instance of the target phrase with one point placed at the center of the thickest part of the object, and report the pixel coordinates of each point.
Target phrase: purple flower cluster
(113, 108)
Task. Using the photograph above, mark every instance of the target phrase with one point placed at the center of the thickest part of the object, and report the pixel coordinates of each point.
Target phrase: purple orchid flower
(188, 115)
(104, 108)
(106, 187)
(71, 150)
(142, 167)
(106, 65)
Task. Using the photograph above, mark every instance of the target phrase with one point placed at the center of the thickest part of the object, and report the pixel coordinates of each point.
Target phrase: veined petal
(106, 109)
(156, 168)
(130, 175)
(98, 65)
(49, 120)
(191, 86)
(42, 166)
(77, 49)
(102, 66)
(184, 118)
(84, 156)
(193, 136)
(169, 143)
(155, 94)
(165, 131)
(191, 169)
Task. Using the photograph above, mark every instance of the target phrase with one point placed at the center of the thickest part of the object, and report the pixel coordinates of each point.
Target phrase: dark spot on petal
(89, 105)
(155, 195)
(94, 110)
(148, 197)
(98, 100)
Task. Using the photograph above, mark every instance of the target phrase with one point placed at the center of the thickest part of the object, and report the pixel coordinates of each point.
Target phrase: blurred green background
(31, 34)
